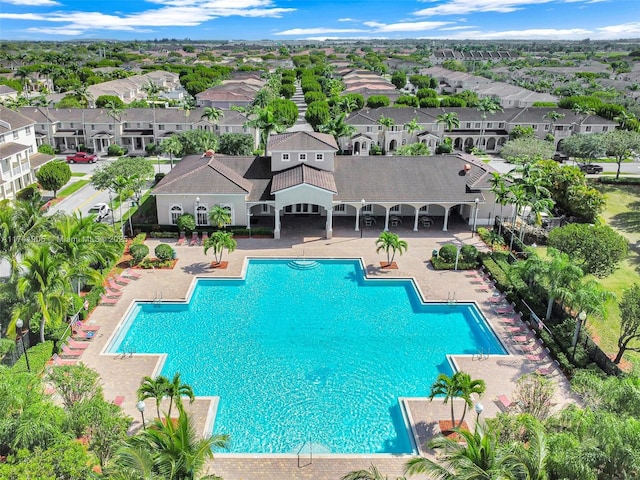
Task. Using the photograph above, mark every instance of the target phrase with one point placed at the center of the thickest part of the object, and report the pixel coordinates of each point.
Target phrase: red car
(82, 157)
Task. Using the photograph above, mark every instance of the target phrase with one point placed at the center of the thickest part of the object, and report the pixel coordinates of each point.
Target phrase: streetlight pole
(197, 208)
(475, 217)
(362, 202)
(140, 407)
(581, 318)
(19, 325)
(479, 409)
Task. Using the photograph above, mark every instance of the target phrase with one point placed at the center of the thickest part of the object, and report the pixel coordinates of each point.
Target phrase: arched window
(174, 212)
(202, 214)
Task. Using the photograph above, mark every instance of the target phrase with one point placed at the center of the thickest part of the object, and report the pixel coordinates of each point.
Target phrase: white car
(100, 210)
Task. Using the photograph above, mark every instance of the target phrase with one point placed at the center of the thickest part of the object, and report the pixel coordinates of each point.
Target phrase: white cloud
(529, 34)
(318, 30)
(624, 30)
(405, 26)
(33, 3)
(347, 19)
(447, 29)
(460, 7)
(173, 13)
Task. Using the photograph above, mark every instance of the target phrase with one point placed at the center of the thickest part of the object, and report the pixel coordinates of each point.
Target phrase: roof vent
(209, 154)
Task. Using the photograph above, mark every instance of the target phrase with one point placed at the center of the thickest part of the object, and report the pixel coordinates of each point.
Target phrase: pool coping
(213, 401)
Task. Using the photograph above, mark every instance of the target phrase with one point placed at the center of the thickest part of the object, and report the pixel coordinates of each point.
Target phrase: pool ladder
(157, 299)
(310, 452)
(451, 298)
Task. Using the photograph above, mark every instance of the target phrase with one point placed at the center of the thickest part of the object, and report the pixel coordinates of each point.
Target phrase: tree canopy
(54, 175)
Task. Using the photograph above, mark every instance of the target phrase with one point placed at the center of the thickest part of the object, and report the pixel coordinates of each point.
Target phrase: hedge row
(619, 181)
(39, 356)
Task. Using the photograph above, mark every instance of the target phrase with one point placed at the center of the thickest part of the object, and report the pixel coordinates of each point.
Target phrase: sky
(318, 19)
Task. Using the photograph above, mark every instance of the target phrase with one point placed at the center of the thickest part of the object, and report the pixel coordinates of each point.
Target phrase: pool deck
(122, 376)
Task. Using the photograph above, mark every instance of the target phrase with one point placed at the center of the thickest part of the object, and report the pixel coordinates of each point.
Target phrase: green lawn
(72, 188)
(622, 213)
(78, 174)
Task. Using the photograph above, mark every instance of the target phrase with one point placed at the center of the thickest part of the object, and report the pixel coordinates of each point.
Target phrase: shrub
(469, 253)
(448, 253)
(28, 192)
(54, 175)
(115, 150)
(186, 223)
(159, 176)
(138, 251)
(46, 149)
(39, 355)
(164, 252)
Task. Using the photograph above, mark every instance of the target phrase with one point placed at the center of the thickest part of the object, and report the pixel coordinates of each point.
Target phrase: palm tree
(152, 90)
(172, 146)
(42, 289)
(218, 241)
(390, 243)
(156, 388)
(449, 120)
(560, 276)
(167, 450)
(487, 106)
(212, 114)
(265, 121)
(372, 474)
(176, 390)
(338, 127)
(624, 118)
(459, 385)
(114, 111)
(474, 456)
(387, 123)
(219, 216)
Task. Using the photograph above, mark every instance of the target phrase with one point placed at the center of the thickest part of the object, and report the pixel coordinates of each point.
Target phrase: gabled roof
(302, 141)
(303, 175)
(11, 148)
(16, 120)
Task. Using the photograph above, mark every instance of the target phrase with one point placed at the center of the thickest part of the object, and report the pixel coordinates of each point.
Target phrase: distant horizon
(320, 20)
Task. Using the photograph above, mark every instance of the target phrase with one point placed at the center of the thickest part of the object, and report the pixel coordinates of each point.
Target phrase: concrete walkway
(122, 376)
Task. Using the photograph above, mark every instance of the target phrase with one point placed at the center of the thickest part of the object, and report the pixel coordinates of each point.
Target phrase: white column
(276, 230)
(248, 218)
(358, 219)
(446, 218)
(386, 220)
(415, 220)
(329, 227)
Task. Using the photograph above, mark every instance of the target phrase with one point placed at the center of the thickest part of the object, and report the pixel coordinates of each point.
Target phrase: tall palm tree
(172, 146)
(624, 118)
(219, 216)
(114, 111)
(390, 243)
(42, 289)
(338, 127)
(467, 388)
(218, 241)
(487, 106)
(212, 115)
(449, 120)
(553, 117)
(167, 450)
(559, 278)
(475, 456)
(265, 121)
(412, 127)
(459, 385)
(387, 123)
(156, 388)
(176, 390)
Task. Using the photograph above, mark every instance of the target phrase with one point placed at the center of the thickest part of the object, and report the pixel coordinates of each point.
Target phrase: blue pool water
(312, 352)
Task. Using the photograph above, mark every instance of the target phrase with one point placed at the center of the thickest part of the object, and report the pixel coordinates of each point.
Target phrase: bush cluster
(164, 252)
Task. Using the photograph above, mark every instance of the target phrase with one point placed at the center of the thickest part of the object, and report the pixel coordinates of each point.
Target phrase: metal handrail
(310, 452)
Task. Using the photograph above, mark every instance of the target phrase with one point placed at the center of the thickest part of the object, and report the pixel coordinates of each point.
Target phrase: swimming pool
(307, 351)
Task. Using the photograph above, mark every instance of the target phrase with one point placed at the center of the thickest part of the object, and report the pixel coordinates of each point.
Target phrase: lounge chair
(119, 279)
(74, 345)
(528, 348)
(505, 402)
(545, 371)
(59, 362)
(496, 299)
(128, 273)
(505, 310)
(205, 236)
(118, 400)
(86, 328)
(113, 285)
(538, 357)
(515, 320)
(104, 300)
(516, 330)
(522, 338)
(194, 239)
(181, 240)
(67, 352)
(112, 293)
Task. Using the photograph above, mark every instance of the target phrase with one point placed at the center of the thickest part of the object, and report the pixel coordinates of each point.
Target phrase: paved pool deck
(121, 376)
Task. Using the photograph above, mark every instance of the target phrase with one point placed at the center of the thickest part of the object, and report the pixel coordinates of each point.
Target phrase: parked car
(559, 157)
(590, 168)
(82, 157)
(100, 210)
